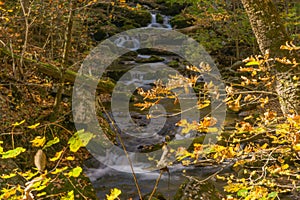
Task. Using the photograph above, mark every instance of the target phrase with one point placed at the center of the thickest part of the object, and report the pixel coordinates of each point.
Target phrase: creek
(137, 132)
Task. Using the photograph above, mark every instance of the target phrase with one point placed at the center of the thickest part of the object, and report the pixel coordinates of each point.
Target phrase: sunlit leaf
(59, 170)
(28, 174)
(1, 148)
(13, 153)
(70, 158)
(8, 192)
(51, 142)
(33, 126)
(19, 123)
(69, 196)
(272, 195)
(114, 193)
(57, 156)
(6, 176)
(242, 193)
(296, 147)
(38, 141)
(75, 172)
(285, 166)
(41, 194)
(79, 139)
(252, 63)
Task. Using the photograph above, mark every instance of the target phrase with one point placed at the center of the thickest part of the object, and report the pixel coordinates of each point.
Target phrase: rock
(152, 59)
(193, 189)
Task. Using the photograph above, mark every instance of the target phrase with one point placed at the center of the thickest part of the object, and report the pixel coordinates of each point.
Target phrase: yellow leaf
(70, 158)
(19, 123)
(59, 170)
(75, 172)
(38, 141)
(114, 193)
(296, 147)
(33, 126)
(5, 176)
(69, 196)
(57, 156)
(285, 166)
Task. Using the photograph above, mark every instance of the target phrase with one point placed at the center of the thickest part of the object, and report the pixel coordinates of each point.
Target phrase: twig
(156, 184)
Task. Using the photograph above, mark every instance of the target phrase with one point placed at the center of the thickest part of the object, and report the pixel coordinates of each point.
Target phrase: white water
(154, 23)
(132, 43)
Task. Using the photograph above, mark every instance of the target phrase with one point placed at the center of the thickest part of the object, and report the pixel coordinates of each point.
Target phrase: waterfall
(154, 23)
(153, 18)
(133, 43)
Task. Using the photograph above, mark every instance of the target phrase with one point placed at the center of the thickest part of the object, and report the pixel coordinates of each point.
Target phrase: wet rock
(151, 59)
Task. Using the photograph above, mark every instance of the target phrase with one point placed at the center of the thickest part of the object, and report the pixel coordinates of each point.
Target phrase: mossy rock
(173, 63)
(152, 59)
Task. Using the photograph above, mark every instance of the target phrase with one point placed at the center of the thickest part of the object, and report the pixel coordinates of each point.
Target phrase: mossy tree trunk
(270, 35)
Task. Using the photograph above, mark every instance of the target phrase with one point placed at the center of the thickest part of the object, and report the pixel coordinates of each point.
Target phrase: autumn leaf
(4, 176)
(75, 172)
(57, 156)
(33, 126)
(79, 139)
(114, 194)
(59, 170)
(252, 63)
(19, 123)
(13, 153)
(51, 142)
(38, 141)
(69, 196)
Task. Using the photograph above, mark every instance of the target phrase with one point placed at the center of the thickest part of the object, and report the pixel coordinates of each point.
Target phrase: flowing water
(114, 170)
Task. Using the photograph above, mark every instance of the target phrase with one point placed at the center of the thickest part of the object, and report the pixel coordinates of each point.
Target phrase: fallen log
(104, 85)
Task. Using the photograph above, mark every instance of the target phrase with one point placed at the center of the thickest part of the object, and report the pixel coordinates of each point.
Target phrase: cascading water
(114, 175)
(133, 43)
(154, 23)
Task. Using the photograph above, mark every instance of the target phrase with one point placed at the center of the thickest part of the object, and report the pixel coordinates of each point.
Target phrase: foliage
(38, 180)
(264, 148)
(114, 193)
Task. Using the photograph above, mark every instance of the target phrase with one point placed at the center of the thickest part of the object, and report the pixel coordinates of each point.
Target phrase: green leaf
(13, 153)
(75, 172)
(79, 139)
(252, 63)
(51, 142)
(272, 195)
(242, 193)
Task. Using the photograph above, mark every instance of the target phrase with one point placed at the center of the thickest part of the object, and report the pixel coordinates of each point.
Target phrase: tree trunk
(270, 35)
